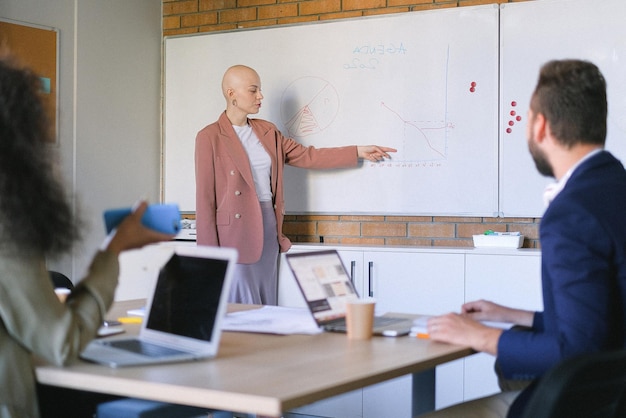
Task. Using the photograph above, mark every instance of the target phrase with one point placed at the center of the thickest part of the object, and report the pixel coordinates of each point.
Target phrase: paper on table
(272, 320)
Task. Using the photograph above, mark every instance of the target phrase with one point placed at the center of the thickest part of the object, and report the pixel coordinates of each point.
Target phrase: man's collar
(553, 189)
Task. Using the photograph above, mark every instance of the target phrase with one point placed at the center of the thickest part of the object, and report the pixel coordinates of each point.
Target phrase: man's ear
(540, 127)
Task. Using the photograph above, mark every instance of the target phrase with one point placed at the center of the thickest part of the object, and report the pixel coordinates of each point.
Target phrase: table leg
(423, 392)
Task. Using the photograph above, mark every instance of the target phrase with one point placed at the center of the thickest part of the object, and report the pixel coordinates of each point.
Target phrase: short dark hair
(571, 94)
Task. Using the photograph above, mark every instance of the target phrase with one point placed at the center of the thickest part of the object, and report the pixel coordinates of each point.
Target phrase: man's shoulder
(602, 169)
(597, 189)
(603, 159)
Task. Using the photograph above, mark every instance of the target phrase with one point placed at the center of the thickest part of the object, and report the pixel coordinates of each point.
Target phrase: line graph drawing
(308, 106)
(421, 140)
(424, 140)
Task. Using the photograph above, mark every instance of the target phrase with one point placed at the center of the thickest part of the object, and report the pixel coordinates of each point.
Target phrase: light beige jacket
(34, 323)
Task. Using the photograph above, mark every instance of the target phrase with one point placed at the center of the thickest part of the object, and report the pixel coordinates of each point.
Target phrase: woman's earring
(234, 102)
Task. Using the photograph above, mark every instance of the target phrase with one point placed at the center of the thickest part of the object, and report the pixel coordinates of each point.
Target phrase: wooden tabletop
(260, 373)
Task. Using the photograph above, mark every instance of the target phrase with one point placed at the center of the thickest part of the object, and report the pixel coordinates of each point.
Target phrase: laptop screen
(187, 296)
(324, 282)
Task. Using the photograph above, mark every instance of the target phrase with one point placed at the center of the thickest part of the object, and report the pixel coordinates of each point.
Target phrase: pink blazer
(228, 212)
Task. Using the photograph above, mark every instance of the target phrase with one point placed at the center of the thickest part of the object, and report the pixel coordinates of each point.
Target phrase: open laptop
(326, 286)
(183, 315)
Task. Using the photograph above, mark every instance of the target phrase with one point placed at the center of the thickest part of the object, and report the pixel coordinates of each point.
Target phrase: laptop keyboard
(144, 348)
(380, 321)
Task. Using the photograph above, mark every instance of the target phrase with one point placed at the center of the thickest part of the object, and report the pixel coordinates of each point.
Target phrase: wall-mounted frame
(36, 47)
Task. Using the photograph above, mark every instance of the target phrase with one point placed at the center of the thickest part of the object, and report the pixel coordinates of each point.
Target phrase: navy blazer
(583, 269)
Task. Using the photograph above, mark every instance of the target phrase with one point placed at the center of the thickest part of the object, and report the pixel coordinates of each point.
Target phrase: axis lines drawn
(422, 141)
(310, 104)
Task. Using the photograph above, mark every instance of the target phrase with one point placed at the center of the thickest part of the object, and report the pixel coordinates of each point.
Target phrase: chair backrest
(588, 386)
(60, 280)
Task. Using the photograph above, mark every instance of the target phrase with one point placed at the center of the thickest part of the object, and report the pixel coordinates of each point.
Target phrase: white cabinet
(401, 281)
(139, 269)
(414, 282)
(510, 280)
(426, 281)
(348, 405)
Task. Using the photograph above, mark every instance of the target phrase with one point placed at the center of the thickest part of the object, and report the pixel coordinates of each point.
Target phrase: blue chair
(141, 408)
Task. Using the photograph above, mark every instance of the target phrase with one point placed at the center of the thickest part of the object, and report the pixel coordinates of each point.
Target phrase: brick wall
(196, 16)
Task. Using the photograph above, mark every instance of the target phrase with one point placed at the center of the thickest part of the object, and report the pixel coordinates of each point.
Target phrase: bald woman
(239, 184)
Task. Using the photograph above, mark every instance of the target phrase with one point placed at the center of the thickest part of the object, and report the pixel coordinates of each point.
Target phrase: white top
(260, 161)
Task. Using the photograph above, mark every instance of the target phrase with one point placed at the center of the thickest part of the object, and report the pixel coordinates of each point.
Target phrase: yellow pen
(130, 319)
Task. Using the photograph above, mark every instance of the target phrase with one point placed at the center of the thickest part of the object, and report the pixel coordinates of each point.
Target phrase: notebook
(183, 315)
(326, 286)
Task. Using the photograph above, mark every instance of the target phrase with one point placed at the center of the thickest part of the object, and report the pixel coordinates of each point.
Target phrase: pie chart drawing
(308, 106)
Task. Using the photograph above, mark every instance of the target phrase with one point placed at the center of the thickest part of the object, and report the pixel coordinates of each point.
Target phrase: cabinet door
(511, 280)
(348, 405)
(414, 282)
(392, 398)
(289, 293)
(353, 263)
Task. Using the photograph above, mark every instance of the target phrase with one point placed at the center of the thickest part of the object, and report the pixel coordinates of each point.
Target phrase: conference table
(266, 374)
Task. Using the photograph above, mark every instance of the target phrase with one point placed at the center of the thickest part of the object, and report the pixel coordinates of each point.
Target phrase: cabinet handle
(352, 271)
(370, 278)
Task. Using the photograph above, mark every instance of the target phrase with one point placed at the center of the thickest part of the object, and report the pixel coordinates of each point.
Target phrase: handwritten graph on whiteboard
(309, 105)
(424, 83)
(422, 140)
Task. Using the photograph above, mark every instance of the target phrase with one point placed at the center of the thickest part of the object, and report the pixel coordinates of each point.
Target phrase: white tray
(502, 241)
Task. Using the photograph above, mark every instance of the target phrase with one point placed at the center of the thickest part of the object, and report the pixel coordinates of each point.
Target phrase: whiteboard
(425, 83)
(533, 33)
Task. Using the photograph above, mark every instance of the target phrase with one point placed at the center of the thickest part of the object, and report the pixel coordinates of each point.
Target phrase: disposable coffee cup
(360, 318)
(62, 293)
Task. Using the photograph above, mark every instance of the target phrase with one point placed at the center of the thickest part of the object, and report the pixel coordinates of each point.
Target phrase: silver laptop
(326, 286)
(183, 315)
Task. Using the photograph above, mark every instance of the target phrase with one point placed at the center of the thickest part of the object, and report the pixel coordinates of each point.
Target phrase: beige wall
(109, 105)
